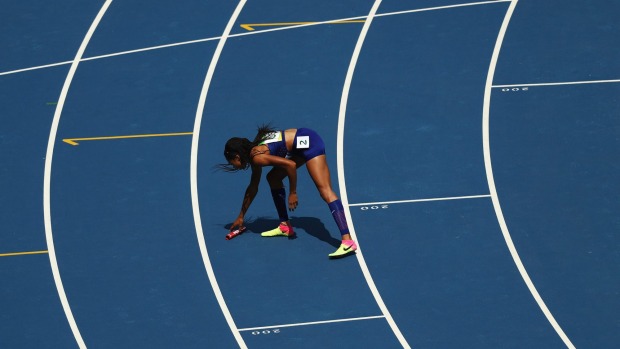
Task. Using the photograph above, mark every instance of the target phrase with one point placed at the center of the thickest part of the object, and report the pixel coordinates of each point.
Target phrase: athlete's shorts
(307, 144)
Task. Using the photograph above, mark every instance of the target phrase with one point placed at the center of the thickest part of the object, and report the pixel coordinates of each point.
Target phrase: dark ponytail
(263, 130)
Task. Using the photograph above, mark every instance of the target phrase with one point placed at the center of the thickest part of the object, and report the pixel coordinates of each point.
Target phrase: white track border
(491, 180)
(341, 180)
(194, 177)
(47, 215)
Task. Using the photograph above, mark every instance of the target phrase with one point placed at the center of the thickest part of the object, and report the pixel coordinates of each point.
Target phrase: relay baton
(235, 233)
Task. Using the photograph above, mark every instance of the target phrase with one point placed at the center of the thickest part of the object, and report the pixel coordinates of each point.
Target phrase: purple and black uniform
(307, 144)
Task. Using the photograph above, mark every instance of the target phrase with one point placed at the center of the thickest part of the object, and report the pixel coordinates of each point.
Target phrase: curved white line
(491, 181)
(194, 177)
(48, 174)
(341, 180)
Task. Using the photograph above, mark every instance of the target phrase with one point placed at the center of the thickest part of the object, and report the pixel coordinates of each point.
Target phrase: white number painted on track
(515, 89)
(374, 207)
(258, 333)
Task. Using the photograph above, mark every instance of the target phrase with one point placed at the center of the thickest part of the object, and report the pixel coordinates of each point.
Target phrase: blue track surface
(480, 171)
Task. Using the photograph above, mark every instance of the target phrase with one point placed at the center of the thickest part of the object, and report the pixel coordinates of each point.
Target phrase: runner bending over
(286, 151)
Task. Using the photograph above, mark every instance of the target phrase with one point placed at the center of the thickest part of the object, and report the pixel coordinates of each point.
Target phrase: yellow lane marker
(74, 141)
(21, 253)
(250, 26)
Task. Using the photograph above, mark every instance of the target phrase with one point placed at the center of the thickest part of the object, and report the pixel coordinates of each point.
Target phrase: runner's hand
(238, 223)
(292, 201)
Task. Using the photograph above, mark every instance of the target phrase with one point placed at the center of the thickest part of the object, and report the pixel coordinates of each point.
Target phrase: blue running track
(475, 146)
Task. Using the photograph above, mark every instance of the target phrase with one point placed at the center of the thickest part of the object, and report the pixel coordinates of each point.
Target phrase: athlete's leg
(275, 179)
(319, 171)
(276, 175)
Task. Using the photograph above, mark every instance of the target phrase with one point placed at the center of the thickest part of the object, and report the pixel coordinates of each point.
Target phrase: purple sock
(279, 199)
(339, 217)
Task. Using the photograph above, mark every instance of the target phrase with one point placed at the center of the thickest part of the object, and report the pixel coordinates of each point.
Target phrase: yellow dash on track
(74, 141)
(21, 253)
(250, 26)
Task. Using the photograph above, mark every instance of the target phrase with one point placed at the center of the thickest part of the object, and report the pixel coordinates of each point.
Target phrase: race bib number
(303, 142)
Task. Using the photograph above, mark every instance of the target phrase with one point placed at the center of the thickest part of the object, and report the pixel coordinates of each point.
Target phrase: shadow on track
(311, 225)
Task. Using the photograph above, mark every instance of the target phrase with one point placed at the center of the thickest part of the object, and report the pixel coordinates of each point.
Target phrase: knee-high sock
(338, 213)
(279, 199)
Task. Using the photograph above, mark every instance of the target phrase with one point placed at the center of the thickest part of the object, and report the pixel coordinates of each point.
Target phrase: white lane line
(442, 7)
(248, 33)
(491, 181)
(341, 180)
(312, 323)
(194, 177)
(152, 48)
(36, 68)
(560, 83)
(421, 200)
(47, 216)
(122, 53)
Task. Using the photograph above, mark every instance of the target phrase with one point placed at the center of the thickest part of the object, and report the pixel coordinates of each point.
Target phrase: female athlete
(285, 151)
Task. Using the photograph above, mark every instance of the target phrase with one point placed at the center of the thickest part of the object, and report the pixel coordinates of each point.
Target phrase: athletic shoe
(282, 230)
(347, 248)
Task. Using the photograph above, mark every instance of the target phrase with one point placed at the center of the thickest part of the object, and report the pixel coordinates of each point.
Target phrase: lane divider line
(47, 215)
(194, 178)
(341, 178)
(491, 180)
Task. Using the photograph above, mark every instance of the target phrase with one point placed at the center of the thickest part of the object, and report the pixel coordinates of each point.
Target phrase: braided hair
(243, 147)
